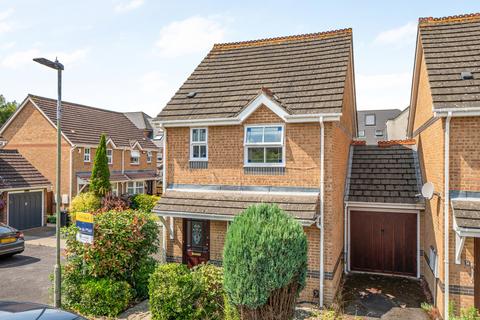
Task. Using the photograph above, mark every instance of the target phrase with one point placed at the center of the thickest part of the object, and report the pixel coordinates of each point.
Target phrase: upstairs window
(149, 156)
(86, 155)
(369, 119)
(198, 144)
(134, 157)
(110, 156)
(264, 146)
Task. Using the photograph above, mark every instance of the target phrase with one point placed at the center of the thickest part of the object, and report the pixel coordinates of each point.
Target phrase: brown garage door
(383, 242)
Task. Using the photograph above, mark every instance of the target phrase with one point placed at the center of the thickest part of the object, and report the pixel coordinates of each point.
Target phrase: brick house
(23, 192)
(32, 131)
(444, 120)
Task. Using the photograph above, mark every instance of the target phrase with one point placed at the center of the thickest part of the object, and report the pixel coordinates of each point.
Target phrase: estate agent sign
(84, 223)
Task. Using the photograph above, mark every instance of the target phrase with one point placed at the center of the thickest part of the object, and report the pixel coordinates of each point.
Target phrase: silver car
(11, 240)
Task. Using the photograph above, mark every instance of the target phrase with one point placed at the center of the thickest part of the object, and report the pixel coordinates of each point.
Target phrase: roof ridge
(75, 104)
(274, 40)
(454, 18)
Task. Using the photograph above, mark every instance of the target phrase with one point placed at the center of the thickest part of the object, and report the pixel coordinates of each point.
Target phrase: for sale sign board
(84, 223)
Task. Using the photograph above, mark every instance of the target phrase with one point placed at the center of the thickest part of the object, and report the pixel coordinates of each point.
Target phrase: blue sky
(129, 55)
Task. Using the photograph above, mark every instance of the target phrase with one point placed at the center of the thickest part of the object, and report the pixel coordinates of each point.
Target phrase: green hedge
(85, 202)
(144, 202)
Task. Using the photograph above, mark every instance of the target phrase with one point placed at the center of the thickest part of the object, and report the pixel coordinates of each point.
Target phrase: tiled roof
(306, 73)
(140, 119)
(467, 213)
(303, 207)
(17, 172)
(84, 125)
(127, 175)
(383, 174)
(451, 45)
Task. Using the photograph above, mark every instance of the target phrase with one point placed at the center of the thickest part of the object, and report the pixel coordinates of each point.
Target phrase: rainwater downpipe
(446, 214)
(320, 219)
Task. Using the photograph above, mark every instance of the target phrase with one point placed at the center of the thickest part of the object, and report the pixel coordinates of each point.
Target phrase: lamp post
(57, 272)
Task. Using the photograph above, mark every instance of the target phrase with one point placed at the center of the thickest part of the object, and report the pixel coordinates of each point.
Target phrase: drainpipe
(320, 219)
(164, 159)
(446, 213)
(345, 245)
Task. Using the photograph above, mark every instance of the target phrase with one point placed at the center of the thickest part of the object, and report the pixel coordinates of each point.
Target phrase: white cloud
(192, 35)
(21, 58)
(383, 91)
(128, 5)
(5, 25)
(398, 36)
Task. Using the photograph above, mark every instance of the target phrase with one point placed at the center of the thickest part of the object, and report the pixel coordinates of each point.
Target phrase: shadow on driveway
(17, 260)
(384, 297)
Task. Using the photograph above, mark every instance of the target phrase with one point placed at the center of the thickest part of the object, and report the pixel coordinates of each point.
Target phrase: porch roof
(118, 176)
(467, 213)
(225, 205)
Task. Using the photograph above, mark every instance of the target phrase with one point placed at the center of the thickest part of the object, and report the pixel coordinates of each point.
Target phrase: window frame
(139, 155)
(247, 145)
(377, 131)
(374, 119)
(136, 186)
(110, 159)
(361, 133)
(197, 143)
(89, 154)
(149, 156)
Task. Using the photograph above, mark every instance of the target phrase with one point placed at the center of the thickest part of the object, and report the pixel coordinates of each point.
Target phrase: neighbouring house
(268, 121)
(397, 127)
(23, 192)
(132, 156)
(372, 124)
(444, 120)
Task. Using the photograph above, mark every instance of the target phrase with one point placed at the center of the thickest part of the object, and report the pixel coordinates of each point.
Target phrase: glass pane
(203, 135)
(195, 135)
(370, 120)
(197, 233)
(196, 151)
(256, 155)
(254, 135)
(273, 134)
(203, 151)
(274, 155)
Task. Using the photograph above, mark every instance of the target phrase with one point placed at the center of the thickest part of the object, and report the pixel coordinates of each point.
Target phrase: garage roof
(16, 172)
(384, 174)
(467, 213)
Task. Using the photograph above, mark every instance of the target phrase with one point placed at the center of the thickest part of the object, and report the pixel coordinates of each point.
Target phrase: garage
(383, 210)
(22, 192)
(383, 242)
(25, 209)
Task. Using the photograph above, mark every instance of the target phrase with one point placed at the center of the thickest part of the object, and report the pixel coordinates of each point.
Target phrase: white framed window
(86, 154)
(198, 144)
(264, 146)
(149, 156)
(110, 156)
(369, 119)
(135, 187)
(361, 133)
(379, 133)
(134, 157)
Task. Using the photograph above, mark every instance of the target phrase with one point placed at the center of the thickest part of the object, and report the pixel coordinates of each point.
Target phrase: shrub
(144, 202)
(111, 202)
(142, 275)
(51, 219)
(85, 202)
(100, 179)
(265, 262)
(231, 312)
(173, 293)
(104, 297)
(210, 303)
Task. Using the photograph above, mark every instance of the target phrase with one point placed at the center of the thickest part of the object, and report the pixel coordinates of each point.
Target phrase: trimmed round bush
(85, 202)
(104, 297)
(265, 262)
(173, 293)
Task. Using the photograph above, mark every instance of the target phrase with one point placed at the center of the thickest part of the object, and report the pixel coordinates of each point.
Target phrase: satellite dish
(428, 190)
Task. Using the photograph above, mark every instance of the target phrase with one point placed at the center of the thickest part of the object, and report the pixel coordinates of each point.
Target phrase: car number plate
(8, 240)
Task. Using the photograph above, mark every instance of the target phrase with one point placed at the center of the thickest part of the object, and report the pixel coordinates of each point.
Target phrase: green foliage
(144, 202)
(178, 293)
(265, 250)
(85, 202)
(142, 275)
(465, 313)
(103, 297)
(173, 293)
(231, 312)
(100, 179)
(6, 109)
(52, 219)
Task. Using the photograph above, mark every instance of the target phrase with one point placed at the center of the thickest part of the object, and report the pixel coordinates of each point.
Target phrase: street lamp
(57, 272)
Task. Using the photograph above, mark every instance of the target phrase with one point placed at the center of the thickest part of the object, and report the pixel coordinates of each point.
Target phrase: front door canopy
(466, 222)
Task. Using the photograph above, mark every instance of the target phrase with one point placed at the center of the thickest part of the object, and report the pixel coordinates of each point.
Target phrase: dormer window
(264, 146)
(198, 144)
(134, 157)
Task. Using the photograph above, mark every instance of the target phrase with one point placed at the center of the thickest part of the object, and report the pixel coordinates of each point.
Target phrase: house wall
(397, 127)
(35, 138)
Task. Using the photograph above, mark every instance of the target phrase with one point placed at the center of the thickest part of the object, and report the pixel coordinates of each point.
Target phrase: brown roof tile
(452, 45)
(307, 73)
(84, 125)
(17, 172)
(233, 203)
(467, 213)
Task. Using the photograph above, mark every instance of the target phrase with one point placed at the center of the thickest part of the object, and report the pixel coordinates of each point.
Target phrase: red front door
(196, 239)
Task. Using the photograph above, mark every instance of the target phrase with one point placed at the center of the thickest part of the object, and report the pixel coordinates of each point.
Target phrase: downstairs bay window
(264, 146)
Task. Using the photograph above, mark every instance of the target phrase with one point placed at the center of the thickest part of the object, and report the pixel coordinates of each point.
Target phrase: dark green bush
(265, 252)
(100, 178)
(104, 297)
(144, 202)
(51, 219)
(173, 293)
(142, 275)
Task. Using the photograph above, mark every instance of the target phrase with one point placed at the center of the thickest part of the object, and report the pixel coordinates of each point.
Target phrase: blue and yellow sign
(84, 223)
